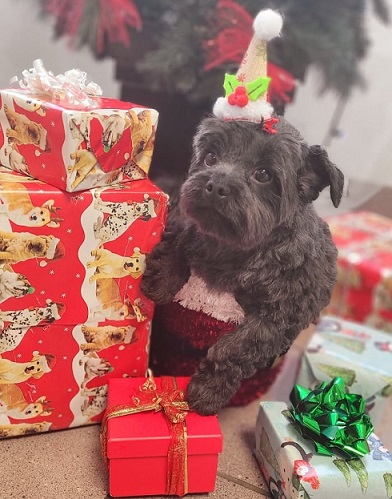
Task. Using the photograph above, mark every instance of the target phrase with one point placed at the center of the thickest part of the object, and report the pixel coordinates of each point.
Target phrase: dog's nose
(217, 189)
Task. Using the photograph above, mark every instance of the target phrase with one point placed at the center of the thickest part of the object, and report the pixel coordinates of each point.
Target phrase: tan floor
(67, 464)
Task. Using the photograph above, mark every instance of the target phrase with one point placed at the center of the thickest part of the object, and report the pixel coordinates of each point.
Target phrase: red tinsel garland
(111, 21)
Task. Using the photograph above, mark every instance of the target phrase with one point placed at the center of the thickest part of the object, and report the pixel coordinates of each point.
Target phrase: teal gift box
(360, 355)
(294, 470)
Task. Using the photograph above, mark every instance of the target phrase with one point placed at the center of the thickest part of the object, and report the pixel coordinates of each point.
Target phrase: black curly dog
(245, 223)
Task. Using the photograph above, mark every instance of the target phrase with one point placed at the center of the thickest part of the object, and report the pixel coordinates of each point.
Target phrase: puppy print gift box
(345, 460)
(360, 355)
(71, 310)
(363, 292)
(60, 130)
(153, 444)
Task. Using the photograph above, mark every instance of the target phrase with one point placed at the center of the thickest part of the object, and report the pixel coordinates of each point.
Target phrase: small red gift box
(363, 292)
(155, 453)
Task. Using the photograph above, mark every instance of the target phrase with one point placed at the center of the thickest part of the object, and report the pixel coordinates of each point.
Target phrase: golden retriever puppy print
(100, 337)
(18, 207)
(111, 305)
(109, 265)
(17, 372)
(85, 162)
(141, 129)
(16, 406)
(20, 246)
(143, 159)
(25, 131)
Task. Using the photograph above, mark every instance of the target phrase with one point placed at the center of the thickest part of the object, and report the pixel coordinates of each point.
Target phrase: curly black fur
(246, 225)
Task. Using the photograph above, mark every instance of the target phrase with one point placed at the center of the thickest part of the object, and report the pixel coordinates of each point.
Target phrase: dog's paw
(156, 286)
(209, 390)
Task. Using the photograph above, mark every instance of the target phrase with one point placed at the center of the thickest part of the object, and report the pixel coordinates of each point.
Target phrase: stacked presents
(78, 215)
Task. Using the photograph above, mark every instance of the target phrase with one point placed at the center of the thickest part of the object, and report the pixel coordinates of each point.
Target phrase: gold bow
(170, 400)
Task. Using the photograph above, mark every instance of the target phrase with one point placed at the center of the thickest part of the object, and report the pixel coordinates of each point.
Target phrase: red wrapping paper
(75, 148)
(363, 292)
(69, 297)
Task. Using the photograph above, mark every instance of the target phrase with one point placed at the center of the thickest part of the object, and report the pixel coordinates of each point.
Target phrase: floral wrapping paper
(71, 310)
(363, 292)
(358, 354)
(293, 470)
(75, 148)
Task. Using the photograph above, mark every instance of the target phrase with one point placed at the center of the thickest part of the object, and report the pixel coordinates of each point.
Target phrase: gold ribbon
(170, 400)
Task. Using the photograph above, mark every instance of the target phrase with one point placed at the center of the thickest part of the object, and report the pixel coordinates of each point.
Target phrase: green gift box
(360, 355)
(293, 469)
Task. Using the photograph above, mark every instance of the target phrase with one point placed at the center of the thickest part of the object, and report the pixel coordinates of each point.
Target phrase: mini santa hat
(47, 361)
(56, 250)
(246, 92)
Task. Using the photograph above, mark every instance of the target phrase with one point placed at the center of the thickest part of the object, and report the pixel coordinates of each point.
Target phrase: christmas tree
(188, 45)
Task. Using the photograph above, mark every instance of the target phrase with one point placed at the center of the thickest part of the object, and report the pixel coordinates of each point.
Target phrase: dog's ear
(318, 173)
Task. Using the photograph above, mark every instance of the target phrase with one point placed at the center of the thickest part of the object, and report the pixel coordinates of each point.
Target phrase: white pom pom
(267, 24)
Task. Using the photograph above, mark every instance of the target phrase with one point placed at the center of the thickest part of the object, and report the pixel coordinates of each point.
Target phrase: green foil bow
(332, 418)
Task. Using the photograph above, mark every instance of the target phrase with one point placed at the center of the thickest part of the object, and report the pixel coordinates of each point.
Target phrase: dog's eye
(210, 159)
(262, 176)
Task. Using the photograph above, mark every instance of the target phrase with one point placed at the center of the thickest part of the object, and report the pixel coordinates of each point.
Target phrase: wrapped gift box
(75, 147)
(360, 355)
(136, 445)
(77, 257)
(363, 292)
(70, 272)
(54, 380)
(293, 470)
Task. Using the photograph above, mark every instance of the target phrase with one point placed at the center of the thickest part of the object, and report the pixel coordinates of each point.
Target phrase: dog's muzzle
(36, 247)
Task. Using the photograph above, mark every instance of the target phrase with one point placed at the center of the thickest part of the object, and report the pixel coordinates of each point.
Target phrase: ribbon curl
(331, 418)
(170, 400)
(70, 88)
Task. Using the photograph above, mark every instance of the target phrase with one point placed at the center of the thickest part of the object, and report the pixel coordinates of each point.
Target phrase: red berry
(241, 90)
(232, 99)
(242, 100)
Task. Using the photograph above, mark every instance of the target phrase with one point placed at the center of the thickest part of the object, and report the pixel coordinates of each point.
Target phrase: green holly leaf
(359, 468)
(388, 484)
(257, 87)
(230, 84)
(342, 466)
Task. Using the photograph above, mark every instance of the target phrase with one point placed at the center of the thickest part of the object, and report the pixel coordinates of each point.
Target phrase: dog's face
(244, 182)
(38, 245)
